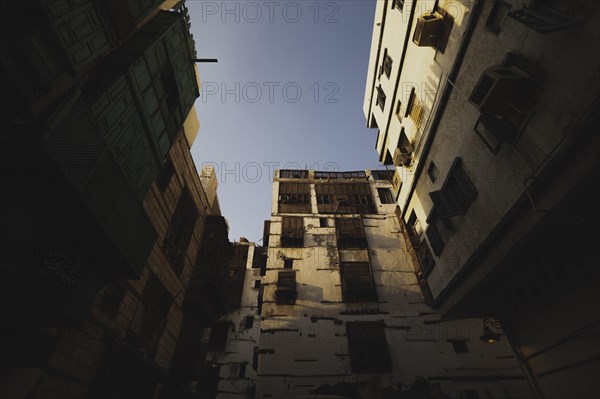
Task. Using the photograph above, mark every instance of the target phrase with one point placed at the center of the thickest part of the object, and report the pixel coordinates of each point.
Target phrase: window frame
(381, 97)
(357, 288)
(386, 196)
(399, 5)
(350, 233)
(286, 293)
(368, 348)
(387, 64)
(457, 182)
(292, 231)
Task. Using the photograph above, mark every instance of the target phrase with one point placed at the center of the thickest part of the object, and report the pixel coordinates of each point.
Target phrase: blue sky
(287, 92)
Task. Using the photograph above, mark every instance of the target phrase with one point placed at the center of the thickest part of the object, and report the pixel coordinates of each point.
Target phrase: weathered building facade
(486, 111)
(342, 310)
(233, 343)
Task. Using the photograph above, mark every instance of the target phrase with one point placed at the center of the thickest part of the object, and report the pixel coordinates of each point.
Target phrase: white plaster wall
(304, 346)
(568, 91)
(425, 69)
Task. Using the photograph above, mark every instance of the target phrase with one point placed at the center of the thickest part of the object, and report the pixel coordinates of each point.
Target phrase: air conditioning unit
(396, 184)
(428, 29)
(497, 87)
(403, 156)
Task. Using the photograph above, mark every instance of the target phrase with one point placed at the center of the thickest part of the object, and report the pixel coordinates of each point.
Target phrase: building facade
(108, 232)
(342, 310)
(233, 342)
(485, 112)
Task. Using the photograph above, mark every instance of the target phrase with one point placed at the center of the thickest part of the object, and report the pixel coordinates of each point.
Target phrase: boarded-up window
(292, 232)
(350, 233)
(368, 347)
(357, 283)
(294, 197)
(345, 198)
(286, 288)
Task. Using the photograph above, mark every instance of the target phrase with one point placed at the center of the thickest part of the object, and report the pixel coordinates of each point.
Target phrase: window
(382, 174)
(248, 321)
(286, 288)
(415, 234)
(218, 336)
(459, 346)
(426, 261)
(411, 100)
(350, 233)
(288, 263)
(292, 232)
(399, 4)
(399, 109)
(360, 174)
(180, 231)
(368, 347)
(439, 231)
(256, 283)
(385, 195)
(433, 171)
(414, 226)
(497, 16)
(435, 239)
(544, 18)
(380, 98)
(457, 193)
(415, 109)
(293, 174)
(345, 198)
(165, 175)
(403, 154)
(294, 197)
(323, 222)
(357, 283)
(387, 64)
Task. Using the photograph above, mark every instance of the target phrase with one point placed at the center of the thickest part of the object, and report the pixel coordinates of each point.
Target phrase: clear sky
(287, 92)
